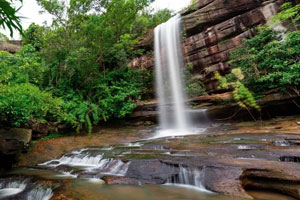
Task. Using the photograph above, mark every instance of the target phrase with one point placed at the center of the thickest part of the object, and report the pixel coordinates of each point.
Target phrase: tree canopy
(8, 16)
(77, 67)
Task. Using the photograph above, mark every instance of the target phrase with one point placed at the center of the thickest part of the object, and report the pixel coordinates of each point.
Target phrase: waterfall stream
(174, 116)
(23, 189)
(169, 81)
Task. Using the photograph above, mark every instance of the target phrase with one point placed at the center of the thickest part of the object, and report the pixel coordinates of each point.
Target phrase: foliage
(33, 35)
(269, 62)
(192, 5)
(194, 86)
(289, 13)
(3, 37)
(8, 16)
(53, 135)
(149, 20)
(22, 102)
(79, 63)
(241, 94)
(24, 67)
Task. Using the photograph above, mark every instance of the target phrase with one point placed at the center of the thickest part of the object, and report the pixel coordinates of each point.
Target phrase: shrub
(21, 103)
(268, 61)
(241, 94)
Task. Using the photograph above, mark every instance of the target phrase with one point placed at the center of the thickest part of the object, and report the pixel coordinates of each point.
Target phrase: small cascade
(91, 162)
(40, 193)
(77, 159)
(11, 187)
(114, 167)
(81, 160)
(23, 189)
(189, 177)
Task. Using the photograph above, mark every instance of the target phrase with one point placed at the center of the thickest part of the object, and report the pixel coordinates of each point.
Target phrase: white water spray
(169, 63)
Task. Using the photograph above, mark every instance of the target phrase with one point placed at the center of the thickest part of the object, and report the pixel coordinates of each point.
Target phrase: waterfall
(95, 161)
(40, 193)
(169, 81)
(24, 189)
(11, 187)
(189, 177)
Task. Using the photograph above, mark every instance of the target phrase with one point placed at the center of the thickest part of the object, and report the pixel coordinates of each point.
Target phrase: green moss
(142, 156)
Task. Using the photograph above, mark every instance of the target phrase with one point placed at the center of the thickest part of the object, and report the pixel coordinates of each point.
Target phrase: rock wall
(213, 29)
(11, 46)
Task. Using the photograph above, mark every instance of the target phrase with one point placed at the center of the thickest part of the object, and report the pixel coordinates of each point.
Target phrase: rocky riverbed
(241, 160)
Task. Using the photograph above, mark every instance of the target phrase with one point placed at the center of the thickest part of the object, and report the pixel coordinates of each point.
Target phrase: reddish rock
(61, 197)
(143, 62)
(216, 11)
(225, 180)
(214, 28)
(11, 46)
(119, 180)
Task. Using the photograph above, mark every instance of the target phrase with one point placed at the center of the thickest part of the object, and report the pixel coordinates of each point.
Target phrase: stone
(61, 197)
(225, 180)
(214, 28)
(152, 171)
(20, 134)
(11, 46)
(119, 180)
(39, 130)
(12, 143)
(143, 62)
(216, 11)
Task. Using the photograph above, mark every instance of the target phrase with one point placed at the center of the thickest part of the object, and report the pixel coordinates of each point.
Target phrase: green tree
(8, 16)
(269, 62)
(82, 58)
(289, 13)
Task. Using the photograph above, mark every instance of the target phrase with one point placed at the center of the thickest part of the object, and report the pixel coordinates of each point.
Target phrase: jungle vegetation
(74, 72)
(269, 61)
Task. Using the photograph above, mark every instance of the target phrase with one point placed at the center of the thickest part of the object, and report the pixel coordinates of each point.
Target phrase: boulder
(11, 46)
(213, 29)
(225, 180)
(216, 11)
(150, 171)
(19, 134)
(13, 142)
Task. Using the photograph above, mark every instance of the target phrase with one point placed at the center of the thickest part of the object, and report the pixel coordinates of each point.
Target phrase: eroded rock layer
(11, 46)
(214, 28)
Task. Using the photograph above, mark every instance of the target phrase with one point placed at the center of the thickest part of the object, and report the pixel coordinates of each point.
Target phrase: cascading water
(40, 193)
(190, 177)
(89, 161)
(173, 115)
(11, 188)
(23, 189)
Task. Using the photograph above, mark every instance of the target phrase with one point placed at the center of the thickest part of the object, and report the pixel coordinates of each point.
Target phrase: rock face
(214, 28)
(12, 143)
(11, 46)
(271, 105)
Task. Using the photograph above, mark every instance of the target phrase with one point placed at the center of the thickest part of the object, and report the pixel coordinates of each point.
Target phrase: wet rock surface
(13, 142)
(213, 29)
(230, 159)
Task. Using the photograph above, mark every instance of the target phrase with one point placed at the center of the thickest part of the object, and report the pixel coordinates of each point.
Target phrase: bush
(21, 103)
(241, 94)
(269, 61)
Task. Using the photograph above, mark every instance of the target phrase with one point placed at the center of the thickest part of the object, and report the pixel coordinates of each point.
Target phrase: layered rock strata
(11, 46)
(213, 29)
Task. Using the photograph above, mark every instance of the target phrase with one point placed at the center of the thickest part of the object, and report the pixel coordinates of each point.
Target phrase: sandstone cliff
(213, 29)
(11, 46)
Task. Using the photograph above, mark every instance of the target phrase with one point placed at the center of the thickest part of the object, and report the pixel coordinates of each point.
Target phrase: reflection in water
(86, 190)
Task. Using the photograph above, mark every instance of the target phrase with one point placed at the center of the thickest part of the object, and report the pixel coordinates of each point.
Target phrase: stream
(83, 173)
